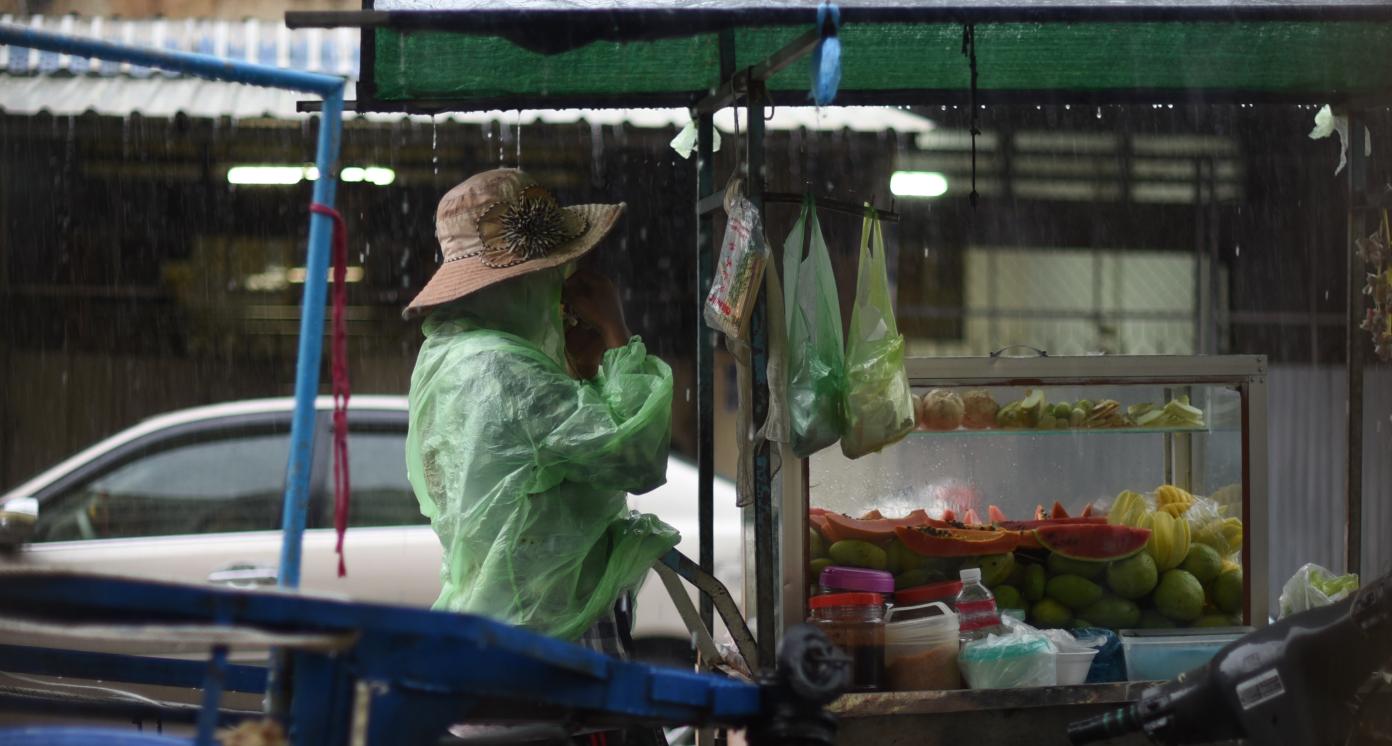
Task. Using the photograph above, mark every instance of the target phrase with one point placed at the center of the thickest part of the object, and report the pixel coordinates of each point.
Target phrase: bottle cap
(856, 579)
(971, 575)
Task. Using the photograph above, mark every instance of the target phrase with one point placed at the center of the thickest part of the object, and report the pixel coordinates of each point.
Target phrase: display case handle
(1038, 352)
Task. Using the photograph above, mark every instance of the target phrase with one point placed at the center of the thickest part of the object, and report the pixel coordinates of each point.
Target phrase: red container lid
(944, 591)
(846, 599)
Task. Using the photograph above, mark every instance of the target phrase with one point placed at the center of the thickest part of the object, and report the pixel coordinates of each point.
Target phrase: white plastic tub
(921, 648)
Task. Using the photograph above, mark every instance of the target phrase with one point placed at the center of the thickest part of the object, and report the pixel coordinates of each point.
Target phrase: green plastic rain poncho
(523, 470)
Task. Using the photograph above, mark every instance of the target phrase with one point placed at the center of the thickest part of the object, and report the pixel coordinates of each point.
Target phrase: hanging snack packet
(739, 272)
(879, 405)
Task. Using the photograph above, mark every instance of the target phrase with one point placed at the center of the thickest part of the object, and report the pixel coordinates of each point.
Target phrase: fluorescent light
(918, 184)
(266, 175)
(379, 175)
(296, 275)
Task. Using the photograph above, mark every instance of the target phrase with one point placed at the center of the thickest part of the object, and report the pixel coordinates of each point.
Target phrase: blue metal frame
(330, 88)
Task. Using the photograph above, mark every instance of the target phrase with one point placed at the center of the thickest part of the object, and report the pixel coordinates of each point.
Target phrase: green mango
(815, 567)
(995, 568)
(1113, 611)
(816, 545)
(1050, 613)
(1008, 597)
(856, 553)
(1073, 591)
(1033, 588)
(914, 578)
(1061, 565)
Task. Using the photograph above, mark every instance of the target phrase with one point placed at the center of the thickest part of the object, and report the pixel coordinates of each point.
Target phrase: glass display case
(1176, 445)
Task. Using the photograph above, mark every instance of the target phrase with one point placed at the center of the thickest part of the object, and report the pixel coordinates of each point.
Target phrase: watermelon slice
(1087, 511)
(930, 541)
(1095, 542)
(971, 518)
(1059, 511)
(839, 527)
(1032, 525)
(995, 514)
(1039, 513)
(949, 515)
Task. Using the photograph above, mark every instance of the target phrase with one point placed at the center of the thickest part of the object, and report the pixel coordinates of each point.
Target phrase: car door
(391, 553)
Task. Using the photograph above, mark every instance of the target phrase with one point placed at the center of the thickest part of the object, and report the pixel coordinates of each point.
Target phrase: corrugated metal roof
(32, 82)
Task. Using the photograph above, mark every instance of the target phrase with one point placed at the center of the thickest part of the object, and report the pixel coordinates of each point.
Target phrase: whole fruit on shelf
(1179, 596)
(1113, 611)
(1061, 565)
(1152, 619)
(1227, 591)
(1133, 577)
(1168, 494)
(1050, 613)
(1017, 575)
(1073, 591)
(995, 568)
(1033, 588)
(1032, 408)
(1203, 562)
(979, 409)
(1213, 620)
(1008, 597)
(815, 567)
(941, 409)
(1063, 411)
(856, 553)
(816, 546)
(1225, 535)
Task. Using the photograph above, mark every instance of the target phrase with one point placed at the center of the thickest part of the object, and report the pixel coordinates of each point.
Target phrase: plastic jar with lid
(856, 580)
(855, 623)
(921, 648)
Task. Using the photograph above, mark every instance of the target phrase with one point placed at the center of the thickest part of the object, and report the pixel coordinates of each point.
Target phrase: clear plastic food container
(1162, 654)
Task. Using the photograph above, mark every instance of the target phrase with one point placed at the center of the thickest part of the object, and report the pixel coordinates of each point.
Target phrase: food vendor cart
(429, 57)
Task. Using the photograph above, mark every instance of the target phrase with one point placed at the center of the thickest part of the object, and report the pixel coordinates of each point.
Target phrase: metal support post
(705, 364)
(765, 521)
(1357, 194)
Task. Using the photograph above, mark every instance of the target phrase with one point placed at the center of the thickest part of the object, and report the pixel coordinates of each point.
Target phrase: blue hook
(826, 58)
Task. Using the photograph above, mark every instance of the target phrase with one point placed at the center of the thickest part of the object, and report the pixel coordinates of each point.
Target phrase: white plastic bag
(1021, 657)
(1313, 586)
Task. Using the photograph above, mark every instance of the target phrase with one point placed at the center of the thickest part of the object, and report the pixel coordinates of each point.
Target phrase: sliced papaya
(931, 541)
(872, 515)
(1058, 511)
(1096, 542)
(971, 518)
(995, 514)
(819, 522)
(874, 529)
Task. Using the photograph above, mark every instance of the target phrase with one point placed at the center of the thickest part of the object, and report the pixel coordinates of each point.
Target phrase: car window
(230, 483)
(377, 471)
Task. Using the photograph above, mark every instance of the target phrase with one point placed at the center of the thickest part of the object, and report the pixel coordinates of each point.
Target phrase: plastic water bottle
(976, 607)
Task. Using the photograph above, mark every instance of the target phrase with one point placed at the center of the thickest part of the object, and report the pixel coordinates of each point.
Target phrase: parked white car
(195, 495)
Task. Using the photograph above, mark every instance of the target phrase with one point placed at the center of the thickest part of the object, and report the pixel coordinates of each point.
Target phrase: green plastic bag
(816, 362)
(523, 470)
(879, 405)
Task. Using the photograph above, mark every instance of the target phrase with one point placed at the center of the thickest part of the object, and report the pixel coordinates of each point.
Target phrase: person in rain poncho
(530, 420)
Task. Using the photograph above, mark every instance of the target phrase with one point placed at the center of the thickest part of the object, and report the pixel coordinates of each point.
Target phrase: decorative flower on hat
(529, 226)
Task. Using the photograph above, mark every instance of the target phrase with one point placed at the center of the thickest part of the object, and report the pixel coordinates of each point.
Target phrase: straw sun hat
(501, 224)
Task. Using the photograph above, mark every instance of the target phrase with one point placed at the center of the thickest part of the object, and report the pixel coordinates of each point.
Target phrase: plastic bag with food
(1021, 657)
(739, 271)
(879, 404)
(816, 362)
(1313, 586)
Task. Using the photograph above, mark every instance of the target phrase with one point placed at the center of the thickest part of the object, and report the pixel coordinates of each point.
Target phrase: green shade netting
(1257, 56)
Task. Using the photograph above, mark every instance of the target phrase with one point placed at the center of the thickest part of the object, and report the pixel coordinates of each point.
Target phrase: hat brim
(458, 279)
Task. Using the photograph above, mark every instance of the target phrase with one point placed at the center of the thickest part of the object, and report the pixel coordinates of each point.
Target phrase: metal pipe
(765, 522)
(300, 467)
(705, 364)
(201, 65)
(1357, 189)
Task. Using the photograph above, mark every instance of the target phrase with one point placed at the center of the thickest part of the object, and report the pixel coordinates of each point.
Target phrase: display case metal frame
(1244, 373)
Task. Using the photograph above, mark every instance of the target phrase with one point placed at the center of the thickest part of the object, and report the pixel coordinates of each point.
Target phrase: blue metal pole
(320, 233)
(201, 65)
(321, 228)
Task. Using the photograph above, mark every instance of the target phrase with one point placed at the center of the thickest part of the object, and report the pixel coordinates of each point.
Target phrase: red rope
(341, 389)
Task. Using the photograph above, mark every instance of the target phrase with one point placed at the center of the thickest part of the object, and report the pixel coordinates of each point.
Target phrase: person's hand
(594, 302)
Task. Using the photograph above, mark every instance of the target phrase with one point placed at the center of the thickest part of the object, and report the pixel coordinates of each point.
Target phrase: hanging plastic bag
(740, 268)
(1313, 586)
(879, 405)
(816, 362)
